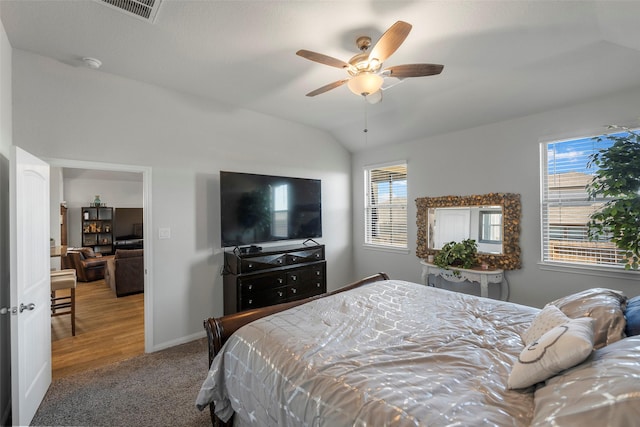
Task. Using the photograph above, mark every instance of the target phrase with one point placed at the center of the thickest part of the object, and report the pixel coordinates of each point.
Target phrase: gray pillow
(603, 390)
(606, 306)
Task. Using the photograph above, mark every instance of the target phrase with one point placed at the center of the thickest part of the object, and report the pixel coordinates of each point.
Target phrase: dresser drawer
(265, 298)
(304, 290)
(255, 285)
(317, 272)
(249, 265)
(307, 288)
(307, 255)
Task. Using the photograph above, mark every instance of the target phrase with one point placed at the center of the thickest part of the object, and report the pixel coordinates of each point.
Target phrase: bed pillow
(604, 390)
(632, 317)
(605, 306)
(560, 348)
(550, 317)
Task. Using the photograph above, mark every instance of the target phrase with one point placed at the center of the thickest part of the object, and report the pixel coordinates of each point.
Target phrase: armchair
(88, 266)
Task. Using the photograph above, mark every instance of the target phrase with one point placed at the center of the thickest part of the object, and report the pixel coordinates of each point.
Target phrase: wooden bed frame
(219, 329)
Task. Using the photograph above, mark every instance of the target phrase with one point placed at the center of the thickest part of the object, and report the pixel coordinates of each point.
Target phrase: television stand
(272, 275)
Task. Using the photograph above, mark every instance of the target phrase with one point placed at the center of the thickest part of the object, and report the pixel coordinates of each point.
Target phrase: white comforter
(389, 353)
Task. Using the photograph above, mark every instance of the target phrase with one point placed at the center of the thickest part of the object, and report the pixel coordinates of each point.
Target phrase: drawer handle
(280, 294)
(317, 273)
(294, 277)
(279, 261)
(318, 285)
(294, 290)
(250, 287)
(317, 255)
(280, 280)
(293, 259)
(250, 265)
(250, 301)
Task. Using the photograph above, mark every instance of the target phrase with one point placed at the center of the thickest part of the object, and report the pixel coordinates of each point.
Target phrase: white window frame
(571, 200)
(396, 230)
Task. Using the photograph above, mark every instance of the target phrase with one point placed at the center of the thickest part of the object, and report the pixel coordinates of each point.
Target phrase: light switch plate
(164, 233)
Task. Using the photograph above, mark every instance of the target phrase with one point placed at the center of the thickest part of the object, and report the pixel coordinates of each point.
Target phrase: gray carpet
(155, 389)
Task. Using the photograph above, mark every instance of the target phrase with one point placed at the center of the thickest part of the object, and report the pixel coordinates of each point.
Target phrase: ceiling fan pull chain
(366, 125)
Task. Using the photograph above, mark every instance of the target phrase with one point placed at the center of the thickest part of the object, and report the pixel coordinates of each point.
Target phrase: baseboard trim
(182, 340)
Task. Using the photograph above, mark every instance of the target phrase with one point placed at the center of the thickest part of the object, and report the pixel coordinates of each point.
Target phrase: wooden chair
(64, 279)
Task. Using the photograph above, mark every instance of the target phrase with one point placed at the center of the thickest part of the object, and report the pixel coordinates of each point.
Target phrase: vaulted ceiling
(502, 59)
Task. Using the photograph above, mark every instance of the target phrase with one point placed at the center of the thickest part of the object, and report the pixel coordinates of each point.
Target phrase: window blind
(566, 207)
(386, 205)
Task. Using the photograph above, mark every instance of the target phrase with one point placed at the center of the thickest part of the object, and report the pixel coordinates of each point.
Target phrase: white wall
(502, 157)
(56, 196)
(115, 192)
(73, 113)
(5, 144)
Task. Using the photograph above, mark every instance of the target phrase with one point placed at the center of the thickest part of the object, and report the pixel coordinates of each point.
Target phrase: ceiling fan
(365, 77)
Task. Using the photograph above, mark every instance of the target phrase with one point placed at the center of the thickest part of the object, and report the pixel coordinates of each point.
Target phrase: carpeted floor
(155, 389)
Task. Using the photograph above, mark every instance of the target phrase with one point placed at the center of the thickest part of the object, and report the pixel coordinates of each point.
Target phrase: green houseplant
(457, 254)
(618, 178)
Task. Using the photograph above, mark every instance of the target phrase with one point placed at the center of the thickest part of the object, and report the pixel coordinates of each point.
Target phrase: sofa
(125, 272)
(89, 266)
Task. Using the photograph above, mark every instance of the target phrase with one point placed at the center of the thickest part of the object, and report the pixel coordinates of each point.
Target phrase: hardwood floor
(108, 329)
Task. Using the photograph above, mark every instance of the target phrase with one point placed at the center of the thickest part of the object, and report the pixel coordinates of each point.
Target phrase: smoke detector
(92, 63)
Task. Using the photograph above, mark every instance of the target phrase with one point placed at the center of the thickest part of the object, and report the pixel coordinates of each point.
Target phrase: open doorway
(109, 327)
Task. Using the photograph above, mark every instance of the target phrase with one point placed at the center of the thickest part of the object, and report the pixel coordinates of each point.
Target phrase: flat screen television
(264, 208)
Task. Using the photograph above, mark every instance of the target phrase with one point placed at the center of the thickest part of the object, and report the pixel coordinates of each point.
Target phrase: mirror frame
(511, 210)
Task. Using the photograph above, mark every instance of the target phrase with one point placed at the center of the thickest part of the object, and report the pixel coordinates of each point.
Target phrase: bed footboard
(219, 329)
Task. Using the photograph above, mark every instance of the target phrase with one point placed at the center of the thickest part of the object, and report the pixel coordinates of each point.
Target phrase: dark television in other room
(128, 223)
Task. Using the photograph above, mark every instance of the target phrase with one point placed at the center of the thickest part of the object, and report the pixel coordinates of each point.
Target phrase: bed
(389, 352)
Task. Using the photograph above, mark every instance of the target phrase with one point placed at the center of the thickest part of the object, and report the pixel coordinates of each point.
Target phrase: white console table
(457, 275)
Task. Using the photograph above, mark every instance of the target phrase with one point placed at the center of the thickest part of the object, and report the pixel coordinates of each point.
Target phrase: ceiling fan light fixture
(364, 69)
(374, 98)
(365, 83)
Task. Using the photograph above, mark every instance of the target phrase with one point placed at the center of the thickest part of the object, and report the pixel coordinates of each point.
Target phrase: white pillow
(550, 317)
(560, 348)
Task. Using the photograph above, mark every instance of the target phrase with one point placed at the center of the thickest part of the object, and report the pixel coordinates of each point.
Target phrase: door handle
(29, 307)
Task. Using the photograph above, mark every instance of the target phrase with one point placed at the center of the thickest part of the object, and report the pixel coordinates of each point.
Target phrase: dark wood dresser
(255, 279)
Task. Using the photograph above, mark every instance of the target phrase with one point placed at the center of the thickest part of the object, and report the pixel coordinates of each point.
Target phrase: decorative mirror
(493, 220)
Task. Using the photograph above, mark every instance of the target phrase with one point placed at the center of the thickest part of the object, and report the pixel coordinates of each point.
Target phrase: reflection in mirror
(493, 220)
(280, 219)
(490, 232)
(480, 223)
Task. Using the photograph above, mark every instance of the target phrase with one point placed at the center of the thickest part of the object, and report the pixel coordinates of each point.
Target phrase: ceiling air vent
(146, 10)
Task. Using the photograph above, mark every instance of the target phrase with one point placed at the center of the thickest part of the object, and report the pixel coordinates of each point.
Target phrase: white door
(30, 285)
(452, 224)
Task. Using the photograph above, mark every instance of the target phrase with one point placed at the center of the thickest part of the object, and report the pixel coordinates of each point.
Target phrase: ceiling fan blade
(390, 41)
(413, 70)
(328, 87)
(322, 59)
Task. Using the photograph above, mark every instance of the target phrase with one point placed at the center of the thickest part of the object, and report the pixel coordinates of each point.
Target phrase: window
(566, 207)
(386, 205)
(490, 227)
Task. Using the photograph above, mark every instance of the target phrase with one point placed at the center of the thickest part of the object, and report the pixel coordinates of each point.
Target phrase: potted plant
(618, 178)
(457, 254)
